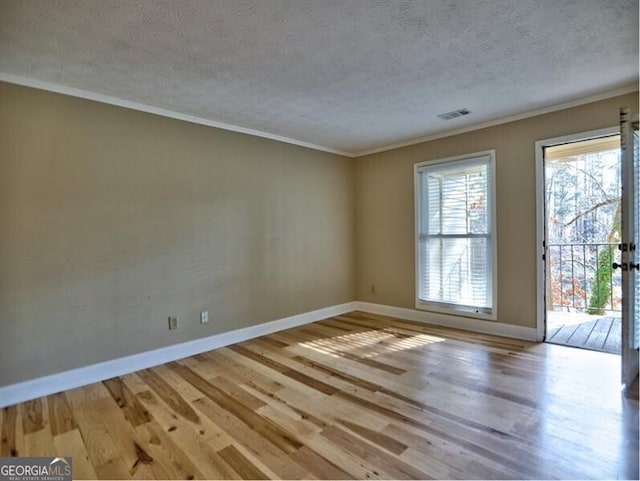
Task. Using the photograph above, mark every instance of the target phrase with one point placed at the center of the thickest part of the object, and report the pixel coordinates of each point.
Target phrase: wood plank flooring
(358, 396)
(602, 334)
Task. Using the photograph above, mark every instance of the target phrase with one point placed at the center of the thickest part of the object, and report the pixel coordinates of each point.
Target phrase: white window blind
(455, 244)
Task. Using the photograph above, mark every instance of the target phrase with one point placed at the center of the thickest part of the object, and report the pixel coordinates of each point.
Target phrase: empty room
(319, 239)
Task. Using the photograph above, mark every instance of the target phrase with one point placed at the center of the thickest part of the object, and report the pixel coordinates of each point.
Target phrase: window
(455, 235)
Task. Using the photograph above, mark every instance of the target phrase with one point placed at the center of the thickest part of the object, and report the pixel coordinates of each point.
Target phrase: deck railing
(581, 278)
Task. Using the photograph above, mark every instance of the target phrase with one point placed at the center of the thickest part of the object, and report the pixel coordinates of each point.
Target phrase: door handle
(634, 266)
(622, 266)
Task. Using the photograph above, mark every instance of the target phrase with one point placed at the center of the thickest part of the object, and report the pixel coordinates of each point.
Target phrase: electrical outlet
(204, 317)
(173, 322)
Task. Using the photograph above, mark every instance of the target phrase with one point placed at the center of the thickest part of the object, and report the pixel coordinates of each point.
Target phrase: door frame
(630, 361)
(540, 215)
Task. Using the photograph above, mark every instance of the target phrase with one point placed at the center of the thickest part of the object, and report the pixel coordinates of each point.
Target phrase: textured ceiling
(350, 75)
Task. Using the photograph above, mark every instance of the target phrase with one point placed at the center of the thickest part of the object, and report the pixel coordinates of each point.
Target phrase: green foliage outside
(601, 284)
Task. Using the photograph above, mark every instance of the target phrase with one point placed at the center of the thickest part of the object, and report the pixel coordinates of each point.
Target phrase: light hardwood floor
(355, 396)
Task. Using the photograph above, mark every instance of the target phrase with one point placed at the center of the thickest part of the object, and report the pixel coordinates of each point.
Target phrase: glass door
(630, 261)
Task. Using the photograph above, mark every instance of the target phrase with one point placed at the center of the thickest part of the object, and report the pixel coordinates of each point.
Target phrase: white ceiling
(345, 75)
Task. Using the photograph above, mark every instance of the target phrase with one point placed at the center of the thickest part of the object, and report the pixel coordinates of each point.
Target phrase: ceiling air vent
(454, 114)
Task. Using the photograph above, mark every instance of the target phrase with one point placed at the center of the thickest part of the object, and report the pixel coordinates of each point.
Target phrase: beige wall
(385, 212)
(111, 220)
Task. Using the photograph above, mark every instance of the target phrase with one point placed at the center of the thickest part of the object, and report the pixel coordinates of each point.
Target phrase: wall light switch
(204, 317)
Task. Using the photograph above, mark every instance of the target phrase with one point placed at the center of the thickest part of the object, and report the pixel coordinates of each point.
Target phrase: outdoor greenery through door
(583, 228)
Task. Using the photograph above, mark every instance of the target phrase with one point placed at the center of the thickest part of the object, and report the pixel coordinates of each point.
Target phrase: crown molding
(491, 123)
(106, 99)
(85, 94)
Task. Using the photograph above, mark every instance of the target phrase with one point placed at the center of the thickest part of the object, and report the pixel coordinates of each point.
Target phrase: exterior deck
(598, 334)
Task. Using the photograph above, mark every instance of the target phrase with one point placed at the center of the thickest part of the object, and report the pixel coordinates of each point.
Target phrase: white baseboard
(466, 323)
(43, 386)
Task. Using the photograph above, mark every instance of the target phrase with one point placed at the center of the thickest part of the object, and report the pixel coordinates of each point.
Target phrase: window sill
(458, 312)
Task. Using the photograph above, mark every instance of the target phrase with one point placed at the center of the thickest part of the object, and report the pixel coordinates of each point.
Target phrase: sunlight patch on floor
(369, 343)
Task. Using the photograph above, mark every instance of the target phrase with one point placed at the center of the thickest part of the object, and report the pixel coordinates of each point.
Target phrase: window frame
(450, 308)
